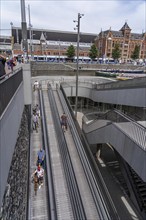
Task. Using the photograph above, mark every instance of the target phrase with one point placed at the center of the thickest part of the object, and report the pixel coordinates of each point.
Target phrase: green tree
(116, 52)
(93, 53)
(70, 52)
(135, 54)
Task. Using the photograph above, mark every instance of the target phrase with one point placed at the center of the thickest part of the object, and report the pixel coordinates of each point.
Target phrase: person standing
(35, 121)
(64, 122)
(2, 66)
(37, 110)
(35, 85)
(41, 157)
(12, 63)
(37, 177)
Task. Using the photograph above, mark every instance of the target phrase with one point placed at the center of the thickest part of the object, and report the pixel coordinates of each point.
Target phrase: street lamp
(12, 39)
(59, 51)
(24, 29)
(31, 47)
(77, 72)
(30, 34)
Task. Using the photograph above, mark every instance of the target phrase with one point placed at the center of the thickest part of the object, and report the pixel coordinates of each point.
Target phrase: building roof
(120, 34)
(54, 35)
(134, 36)
(125, 27)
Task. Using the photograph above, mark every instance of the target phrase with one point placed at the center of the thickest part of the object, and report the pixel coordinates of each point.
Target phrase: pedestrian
(35, 85)
(35, 121)
(8, 64)
(41, 157)
(12, 63)
(37, 110)
(64, 122)
(40, 175)
(2, 66)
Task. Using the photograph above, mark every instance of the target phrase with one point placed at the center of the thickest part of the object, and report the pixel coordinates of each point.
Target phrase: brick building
(51, 43)
(44, 43)
(127, 41)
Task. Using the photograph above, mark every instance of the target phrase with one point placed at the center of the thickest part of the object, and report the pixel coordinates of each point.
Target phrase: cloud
(59, 14)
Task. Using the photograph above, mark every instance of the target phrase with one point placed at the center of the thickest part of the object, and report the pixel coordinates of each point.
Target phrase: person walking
(2, 66)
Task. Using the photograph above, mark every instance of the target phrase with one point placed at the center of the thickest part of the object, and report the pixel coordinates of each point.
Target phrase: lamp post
(77, 72)
(12, 39)
(59, 52)
(24, 28)
(32, 46)
(30, 32)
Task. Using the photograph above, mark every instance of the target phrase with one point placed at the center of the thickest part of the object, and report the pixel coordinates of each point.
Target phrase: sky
(59, 15)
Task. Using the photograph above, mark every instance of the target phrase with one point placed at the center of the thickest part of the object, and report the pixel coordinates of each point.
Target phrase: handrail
(51, 192)
(116, 117)
(77, 206)
(29, 113)
(96, 193)
(108, 116)
(131, 83)
(7, 75)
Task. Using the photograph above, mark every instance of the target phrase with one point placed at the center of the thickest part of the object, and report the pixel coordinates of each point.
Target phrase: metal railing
(100, 203)
(75, 197)
(134, 83)
(52, 211)
(133, 129)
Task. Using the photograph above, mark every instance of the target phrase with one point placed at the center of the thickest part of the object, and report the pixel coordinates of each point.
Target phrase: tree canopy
(135, 54)
(70, 52)
(93, 53)
(116, 52)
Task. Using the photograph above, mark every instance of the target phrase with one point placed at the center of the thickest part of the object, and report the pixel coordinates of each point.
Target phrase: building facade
(106, 41)
(6, 45)
(50, 43)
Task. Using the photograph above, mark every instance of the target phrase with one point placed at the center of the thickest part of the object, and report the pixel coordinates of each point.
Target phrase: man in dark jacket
(2, 66)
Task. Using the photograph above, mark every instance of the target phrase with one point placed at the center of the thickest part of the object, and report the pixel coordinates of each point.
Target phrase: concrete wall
(9, 126)
(69, 69)
(14, 205)
(27, 84)
(53, 69)
(132, 153)
(127, 96)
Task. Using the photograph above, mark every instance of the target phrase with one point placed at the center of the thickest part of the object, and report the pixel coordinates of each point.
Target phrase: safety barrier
(8, 87)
